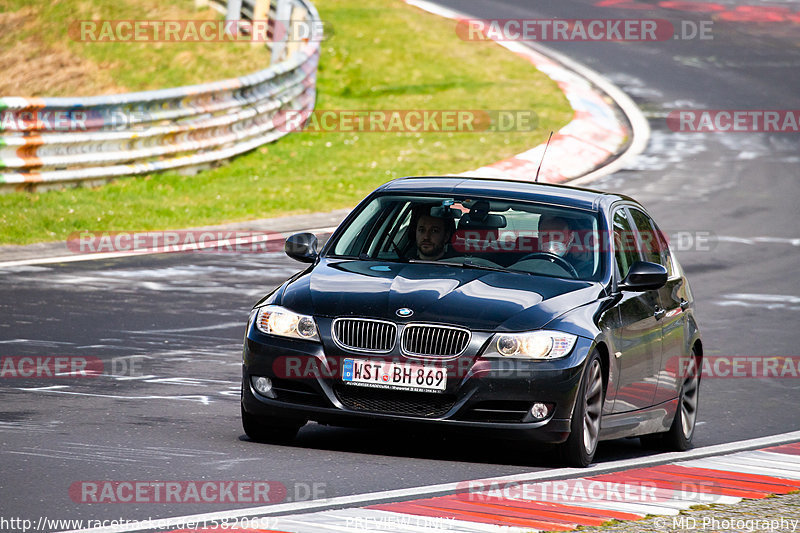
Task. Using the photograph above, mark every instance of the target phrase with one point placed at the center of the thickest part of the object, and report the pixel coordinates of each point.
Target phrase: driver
(557, 237)
(431, 234)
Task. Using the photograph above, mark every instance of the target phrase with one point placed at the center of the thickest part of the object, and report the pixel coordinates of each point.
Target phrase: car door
(637, 335)
(672, 299)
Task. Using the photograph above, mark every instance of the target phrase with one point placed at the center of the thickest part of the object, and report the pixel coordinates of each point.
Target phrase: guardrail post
(298, 25)
(283, 10)
(261, 13)
(234, 11)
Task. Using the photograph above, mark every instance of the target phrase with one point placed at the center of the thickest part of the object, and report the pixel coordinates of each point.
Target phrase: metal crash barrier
(58, 141)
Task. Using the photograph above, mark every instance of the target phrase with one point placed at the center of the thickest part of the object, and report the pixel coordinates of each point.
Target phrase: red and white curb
(595, 133)
(586, 501)
(549, 500)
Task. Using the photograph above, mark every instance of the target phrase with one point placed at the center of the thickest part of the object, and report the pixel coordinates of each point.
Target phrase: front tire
(267, 429)
(581, 445)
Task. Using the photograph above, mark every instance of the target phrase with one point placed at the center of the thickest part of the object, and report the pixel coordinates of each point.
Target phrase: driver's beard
(435, 254)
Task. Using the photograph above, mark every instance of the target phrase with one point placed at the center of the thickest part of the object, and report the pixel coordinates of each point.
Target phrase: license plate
(394, 375)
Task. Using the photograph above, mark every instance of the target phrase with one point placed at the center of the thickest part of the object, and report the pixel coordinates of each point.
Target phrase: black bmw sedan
(537, 311)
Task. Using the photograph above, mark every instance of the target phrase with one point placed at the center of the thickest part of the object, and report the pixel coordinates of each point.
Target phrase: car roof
(506, 189)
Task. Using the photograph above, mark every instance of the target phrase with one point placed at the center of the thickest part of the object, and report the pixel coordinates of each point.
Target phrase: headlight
(276, 320)
(531, 345)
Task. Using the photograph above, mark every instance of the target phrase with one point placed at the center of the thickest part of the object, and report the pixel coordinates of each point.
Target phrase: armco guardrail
(67, 140)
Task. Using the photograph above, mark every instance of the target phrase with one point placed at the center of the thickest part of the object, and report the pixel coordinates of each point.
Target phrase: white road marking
(786, 298)
(98, 453)
(38, 342)
(205, 400)
(62, 456)
(224, 325)
(758, 240)
(763, 301)
(374, 497)
(736, 303)
(28, 426)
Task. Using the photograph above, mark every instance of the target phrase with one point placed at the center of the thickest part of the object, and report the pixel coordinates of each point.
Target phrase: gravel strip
(778, 514)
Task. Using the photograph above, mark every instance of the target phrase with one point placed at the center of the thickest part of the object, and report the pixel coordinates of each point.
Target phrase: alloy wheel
(593, 405)
(691, 387)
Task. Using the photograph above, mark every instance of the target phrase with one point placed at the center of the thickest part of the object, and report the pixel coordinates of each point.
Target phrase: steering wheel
(553, 258)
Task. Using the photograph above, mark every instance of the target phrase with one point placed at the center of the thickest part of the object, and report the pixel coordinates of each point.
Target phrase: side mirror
(644, 276)
(302, 247)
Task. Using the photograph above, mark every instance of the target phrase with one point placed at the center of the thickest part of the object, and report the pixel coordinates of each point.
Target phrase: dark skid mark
(704, 267)
(16, 416)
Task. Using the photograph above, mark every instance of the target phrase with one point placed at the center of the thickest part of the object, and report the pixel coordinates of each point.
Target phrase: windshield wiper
(367, 257)
(465, 264)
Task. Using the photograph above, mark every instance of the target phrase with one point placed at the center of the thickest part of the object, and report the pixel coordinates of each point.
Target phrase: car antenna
(536, 179)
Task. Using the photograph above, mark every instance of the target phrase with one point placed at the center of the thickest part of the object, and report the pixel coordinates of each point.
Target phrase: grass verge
(384, 55)
(39, 56)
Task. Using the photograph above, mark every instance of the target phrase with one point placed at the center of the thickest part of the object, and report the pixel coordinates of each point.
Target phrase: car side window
(354, 239)
(397, 237)
(625, 249)
(663, 248)
(652, 243)
(648, 242)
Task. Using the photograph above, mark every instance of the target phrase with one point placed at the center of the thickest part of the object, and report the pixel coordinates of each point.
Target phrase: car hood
(477, 299)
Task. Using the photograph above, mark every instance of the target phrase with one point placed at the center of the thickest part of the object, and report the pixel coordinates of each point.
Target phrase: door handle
(684, 304)
(659, 313)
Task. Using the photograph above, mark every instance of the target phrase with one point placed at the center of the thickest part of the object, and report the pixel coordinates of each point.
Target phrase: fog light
(540, 410)
(263, 386)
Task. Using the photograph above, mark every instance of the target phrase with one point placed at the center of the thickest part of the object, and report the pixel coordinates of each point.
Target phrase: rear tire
(581, 445)
(679, 436)
(268, 429)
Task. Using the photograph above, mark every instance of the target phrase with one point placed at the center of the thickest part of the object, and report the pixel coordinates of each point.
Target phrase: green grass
(42, 28)
(384, 55)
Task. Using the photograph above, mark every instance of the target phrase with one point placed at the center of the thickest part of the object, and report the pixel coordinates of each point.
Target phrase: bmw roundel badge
(404, 312)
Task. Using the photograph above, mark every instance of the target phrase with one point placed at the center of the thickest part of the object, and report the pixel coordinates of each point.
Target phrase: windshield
(492, 234)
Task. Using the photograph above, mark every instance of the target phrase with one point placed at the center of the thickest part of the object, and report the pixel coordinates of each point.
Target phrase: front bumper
(490, 393)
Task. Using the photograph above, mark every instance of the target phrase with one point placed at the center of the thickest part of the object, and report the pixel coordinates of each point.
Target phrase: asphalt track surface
(181, 317)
